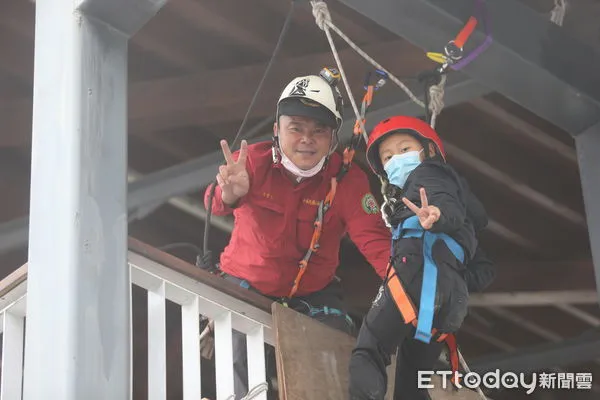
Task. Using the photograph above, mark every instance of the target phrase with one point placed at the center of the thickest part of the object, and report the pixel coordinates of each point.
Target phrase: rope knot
(321, 13)
(436, 99)
(557, 15)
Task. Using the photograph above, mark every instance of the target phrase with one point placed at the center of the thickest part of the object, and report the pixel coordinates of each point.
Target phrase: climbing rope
(557, 15)
(323, 19)
(253, 393)
(324, 22)
(435, 92)
(436, 99)
(463, 362)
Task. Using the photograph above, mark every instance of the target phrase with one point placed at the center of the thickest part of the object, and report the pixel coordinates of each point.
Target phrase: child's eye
(404, 150)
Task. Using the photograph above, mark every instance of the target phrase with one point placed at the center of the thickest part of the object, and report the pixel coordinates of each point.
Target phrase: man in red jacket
(274, 190)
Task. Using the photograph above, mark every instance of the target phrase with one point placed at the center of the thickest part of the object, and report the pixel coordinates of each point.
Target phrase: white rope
(252, 393)
(323, 19)
(256, 390)
(557, 15)
(463, 362)
(436, 99)
(321, 13)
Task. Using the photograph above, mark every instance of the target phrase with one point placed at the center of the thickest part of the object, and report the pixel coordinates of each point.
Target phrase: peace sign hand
(428, 215)
(233, 177)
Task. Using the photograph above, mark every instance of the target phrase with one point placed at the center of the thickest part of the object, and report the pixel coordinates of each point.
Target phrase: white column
(78, 336)
(588, 148)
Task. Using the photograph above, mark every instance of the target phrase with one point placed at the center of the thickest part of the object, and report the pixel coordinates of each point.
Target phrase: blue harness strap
(329, 311)
(411, 228)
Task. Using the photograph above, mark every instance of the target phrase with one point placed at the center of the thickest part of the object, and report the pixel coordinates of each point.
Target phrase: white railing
(195, 298)
(12, 311)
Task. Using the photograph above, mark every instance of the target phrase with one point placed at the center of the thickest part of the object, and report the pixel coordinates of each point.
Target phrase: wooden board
(312, 361)
(312, 358)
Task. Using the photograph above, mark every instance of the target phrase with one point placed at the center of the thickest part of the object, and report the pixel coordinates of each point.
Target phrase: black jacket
(446, 190)
(463, 215)
(480, 271)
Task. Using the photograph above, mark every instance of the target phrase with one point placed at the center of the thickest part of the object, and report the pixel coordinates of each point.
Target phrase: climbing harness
(325, 310)
(434, 104)
(348, 155)
(423, 322)
(411, 228)
(409, 314)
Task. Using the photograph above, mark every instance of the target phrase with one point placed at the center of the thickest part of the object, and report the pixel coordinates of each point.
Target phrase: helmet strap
(275, 151)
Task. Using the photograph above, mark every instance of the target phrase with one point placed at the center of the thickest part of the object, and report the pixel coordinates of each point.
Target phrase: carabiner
(383, 77)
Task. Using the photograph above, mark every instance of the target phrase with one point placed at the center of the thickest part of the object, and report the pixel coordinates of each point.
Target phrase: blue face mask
(399, 167)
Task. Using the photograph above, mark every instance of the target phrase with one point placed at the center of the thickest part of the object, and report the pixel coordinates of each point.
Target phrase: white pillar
(78, 333)
(588, 148)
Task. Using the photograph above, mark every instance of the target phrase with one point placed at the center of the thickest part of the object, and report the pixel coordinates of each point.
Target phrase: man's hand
(233, 177)
(428, 215)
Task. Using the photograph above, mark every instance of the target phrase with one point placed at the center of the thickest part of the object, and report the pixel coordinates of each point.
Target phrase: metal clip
(383, 77)
(453, 52)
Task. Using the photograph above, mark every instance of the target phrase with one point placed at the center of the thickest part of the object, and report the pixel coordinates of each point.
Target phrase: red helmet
(399, 124)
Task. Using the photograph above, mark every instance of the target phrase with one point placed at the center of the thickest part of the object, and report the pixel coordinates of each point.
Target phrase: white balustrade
(196, 299)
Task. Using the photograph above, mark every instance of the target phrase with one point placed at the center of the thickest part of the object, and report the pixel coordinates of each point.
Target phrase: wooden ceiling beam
(524, 130)
(199, 14)
(355, 30)
(199, 95)
(511, 236)
(360, 283)
(159, 38)
(155, 37)
(228, 86)
(524, 191)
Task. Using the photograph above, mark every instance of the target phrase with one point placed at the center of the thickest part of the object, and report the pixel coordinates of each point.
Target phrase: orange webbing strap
(404, 303)
(324, 206)
(366, 103)
(465, 32)
(357, 129)
(408, 311)
(453, 349)
(348, 155)
(331, 194)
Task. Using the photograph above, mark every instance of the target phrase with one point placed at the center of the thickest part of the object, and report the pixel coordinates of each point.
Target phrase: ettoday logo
(509, 380)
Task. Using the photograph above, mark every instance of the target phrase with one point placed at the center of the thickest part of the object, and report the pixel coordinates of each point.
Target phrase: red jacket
(274, 225)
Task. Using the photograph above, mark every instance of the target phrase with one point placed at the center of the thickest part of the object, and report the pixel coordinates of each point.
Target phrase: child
(424, 297)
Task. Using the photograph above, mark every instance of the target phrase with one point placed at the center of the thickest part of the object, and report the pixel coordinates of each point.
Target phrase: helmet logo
(300, 88)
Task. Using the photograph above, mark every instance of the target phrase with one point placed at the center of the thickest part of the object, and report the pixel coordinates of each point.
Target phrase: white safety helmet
(312, 91)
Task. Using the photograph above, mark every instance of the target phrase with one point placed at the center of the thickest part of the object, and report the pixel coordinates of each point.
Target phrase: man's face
(303, 140)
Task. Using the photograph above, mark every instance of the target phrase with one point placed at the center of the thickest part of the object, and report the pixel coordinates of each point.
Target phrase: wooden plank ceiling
(193, 71)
